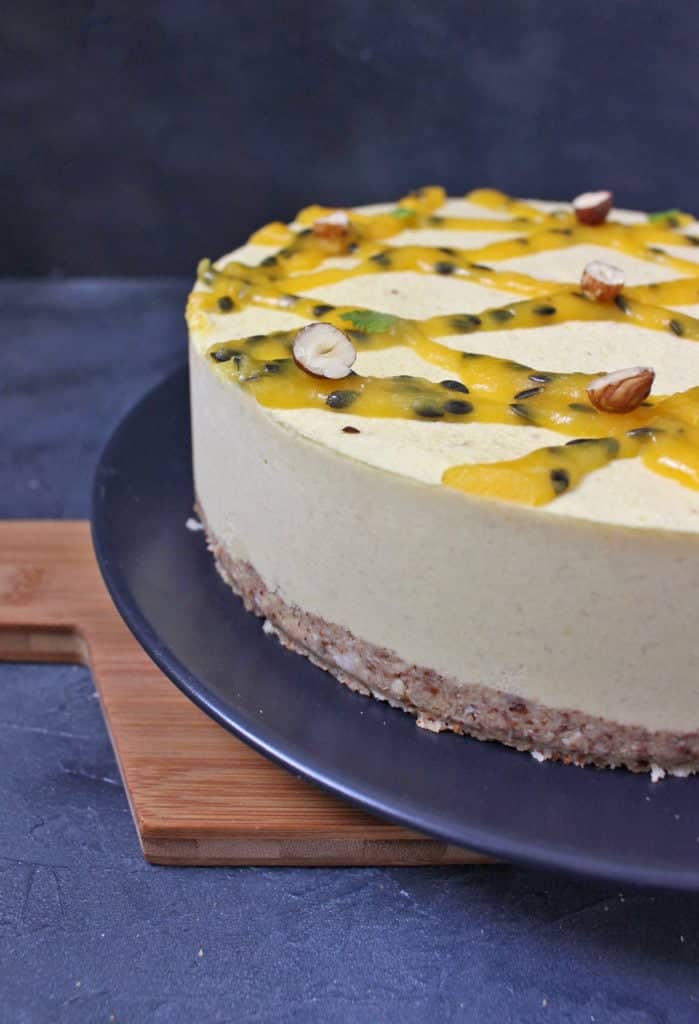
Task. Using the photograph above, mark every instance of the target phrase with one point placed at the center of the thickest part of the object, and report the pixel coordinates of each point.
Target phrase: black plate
(612, 825)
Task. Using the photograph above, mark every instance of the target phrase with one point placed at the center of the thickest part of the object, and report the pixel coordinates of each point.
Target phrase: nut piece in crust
(592, 207)
(622, 390)
(602, 281)
(324, 351)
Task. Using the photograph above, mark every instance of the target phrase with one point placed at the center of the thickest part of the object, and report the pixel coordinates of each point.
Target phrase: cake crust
(445, 703)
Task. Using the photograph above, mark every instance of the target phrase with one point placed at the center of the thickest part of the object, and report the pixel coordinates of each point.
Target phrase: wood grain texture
(198, 795)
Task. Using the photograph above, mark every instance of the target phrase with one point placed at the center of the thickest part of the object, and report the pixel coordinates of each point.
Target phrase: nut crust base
(442, 703)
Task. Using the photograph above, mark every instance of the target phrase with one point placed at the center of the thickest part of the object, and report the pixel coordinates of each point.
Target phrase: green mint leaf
(664, 215)
(402, 212)
(369, 321)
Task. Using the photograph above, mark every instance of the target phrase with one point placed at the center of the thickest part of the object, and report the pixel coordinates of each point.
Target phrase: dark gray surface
(139, 137)
(89, 932)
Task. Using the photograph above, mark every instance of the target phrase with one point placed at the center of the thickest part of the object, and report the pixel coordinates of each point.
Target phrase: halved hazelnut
(592, 207)
(332, 225)
(622, 390)
(602, 281)
(324, 351)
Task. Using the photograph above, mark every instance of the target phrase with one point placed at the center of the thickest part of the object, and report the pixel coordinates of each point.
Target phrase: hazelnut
(335, 225)
(592, 207)
(602, 281)
(621, 391)
(324, 351)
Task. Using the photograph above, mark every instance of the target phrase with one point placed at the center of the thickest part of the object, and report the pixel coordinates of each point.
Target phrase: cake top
(531, 352)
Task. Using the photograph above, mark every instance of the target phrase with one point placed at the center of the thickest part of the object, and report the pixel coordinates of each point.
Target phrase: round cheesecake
(472, 523)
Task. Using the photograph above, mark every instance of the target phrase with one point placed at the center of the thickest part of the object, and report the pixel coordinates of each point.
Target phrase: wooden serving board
(197, 794)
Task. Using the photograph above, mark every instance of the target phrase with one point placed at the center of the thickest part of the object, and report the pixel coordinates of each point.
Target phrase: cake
(448, 449)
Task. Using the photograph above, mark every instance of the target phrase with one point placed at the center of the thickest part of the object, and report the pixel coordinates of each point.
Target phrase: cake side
(564, 613)
(443, 703)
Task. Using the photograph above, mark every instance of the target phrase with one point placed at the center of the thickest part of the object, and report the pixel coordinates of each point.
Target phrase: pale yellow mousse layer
(586, 603)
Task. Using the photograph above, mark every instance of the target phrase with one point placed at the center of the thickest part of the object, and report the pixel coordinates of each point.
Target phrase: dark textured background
(137, 138)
